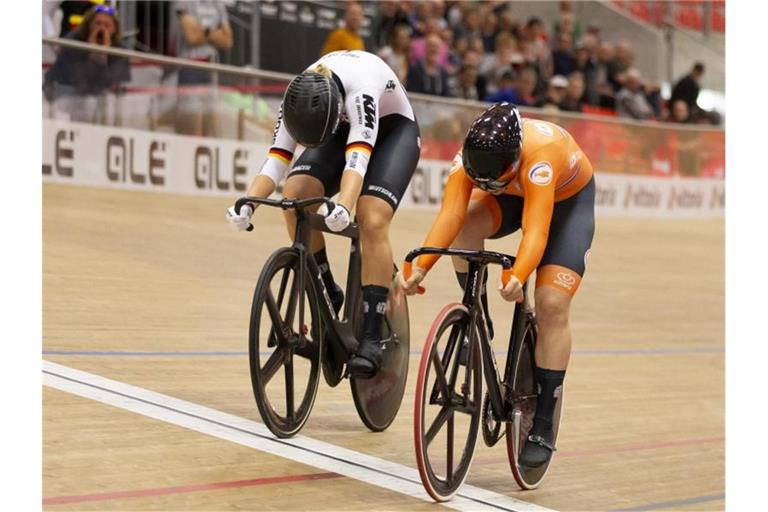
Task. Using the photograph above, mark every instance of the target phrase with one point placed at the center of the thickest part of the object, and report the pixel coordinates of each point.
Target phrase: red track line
(162, 491)
(616, 449)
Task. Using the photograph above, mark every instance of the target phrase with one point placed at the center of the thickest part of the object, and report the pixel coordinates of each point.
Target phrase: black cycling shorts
(390, 169)
(570, 231)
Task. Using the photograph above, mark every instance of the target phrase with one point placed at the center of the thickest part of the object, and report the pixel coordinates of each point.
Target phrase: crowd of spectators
(77, 81)
(479, 51)
(482, 51)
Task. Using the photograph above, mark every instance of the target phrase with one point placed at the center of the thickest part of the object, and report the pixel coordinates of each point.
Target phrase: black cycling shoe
(367, 361)
(337, 298)
(538, 449)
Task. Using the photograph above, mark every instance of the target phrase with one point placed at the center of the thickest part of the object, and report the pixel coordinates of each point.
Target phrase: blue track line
(577, 352)
(673, 504)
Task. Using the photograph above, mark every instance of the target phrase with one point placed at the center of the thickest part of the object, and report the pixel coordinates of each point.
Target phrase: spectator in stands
(473, 58)
(507, 90)
(567, 23)
(470, 27)
(201, 31)
(574, 94)
(466, 85)
(419, 46)
(679, 112)
(78, 78)
(555, 94)
(563, 59)
(618, 66)
(488, 29)
(396, 53)
(454, 59)
(390, 16)
(422, 13)
(347, 37)
(534, 39)
(427, 75)
(605, 94)
(526, 87)
(492, 65)
(631, 100)
(687, 88)
(586, 63)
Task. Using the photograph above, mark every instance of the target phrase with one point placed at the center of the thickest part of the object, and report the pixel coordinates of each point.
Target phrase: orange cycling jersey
(552, 168)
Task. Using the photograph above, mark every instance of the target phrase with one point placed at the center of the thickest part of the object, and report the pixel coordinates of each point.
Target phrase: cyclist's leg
(303, 186)
(558, 277)
(488, 216)
(317, 172)
(392, 164)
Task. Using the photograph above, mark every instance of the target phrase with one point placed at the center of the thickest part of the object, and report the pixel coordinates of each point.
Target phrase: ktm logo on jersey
(541, 174)
(369, 107)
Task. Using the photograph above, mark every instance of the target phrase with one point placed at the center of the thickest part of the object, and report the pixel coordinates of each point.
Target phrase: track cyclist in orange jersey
(514, 173)
(351, 113)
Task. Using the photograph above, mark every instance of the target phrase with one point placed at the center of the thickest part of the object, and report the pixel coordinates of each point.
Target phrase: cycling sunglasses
(491, 185)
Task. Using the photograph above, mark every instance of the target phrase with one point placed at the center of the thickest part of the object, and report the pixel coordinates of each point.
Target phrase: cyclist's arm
(278, 159)
(363, 113)
(538, 206)
(453, 211)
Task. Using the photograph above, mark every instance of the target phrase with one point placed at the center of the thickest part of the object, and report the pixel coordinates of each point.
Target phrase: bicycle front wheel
(448, 403)
(285, 344)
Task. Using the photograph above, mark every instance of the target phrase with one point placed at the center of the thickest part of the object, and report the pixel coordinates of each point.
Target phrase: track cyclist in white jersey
(352, 114)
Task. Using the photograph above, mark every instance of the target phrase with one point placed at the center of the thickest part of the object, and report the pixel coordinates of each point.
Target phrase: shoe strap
(541, 442)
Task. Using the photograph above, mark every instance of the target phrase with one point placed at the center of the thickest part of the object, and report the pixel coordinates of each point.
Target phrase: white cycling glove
(337, 220)
(242, 221)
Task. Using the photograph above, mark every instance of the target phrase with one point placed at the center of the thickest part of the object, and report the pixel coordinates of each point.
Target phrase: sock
(325, 271)
(461, 277)
(550, 388)
(374, 307)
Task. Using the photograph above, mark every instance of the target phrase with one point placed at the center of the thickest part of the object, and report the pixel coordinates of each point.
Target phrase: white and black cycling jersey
(370, 90)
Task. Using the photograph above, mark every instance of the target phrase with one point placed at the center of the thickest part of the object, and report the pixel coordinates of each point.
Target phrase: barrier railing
(173, 95)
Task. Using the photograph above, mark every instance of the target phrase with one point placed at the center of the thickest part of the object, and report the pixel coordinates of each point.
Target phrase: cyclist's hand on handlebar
(241, 221)
(411, 285)
(337, 219)
(512, 291)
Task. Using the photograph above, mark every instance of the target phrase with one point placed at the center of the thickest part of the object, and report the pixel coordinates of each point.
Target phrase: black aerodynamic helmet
(492, 146)
(312, 108)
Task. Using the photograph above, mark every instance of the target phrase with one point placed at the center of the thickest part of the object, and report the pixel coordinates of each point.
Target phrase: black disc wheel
(523, 395)
(378, 399)
(285, 344)
(448, 403)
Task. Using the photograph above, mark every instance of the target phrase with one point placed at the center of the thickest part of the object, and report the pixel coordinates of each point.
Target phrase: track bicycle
(295, 330)
(449, 407)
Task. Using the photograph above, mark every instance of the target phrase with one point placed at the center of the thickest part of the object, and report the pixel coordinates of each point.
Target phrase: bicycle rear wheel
(448, 403)
(378, 399)
(524, 392)
(285, 338)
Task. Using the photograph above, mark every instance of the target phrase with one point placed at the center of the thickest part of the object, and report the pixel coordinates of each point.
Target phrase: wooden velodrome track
(154, 291)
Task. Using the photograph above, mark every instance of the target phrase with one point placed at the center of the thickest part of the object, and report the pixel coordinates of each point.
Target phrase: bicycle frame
(341, 330)
(478, 263)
